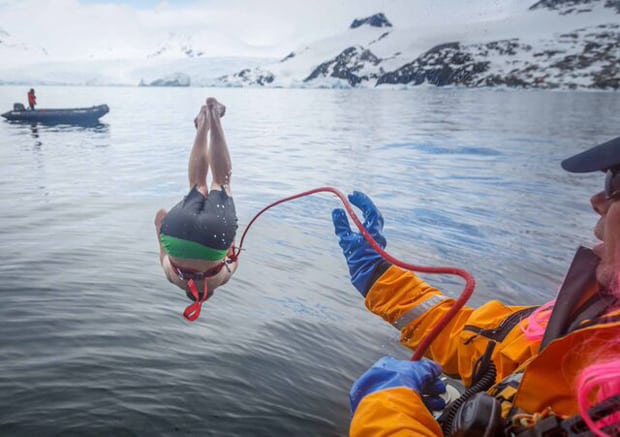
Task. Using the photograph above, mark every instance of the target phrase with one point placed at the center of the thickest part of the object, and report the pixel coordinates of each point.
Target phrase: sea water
(92, 338)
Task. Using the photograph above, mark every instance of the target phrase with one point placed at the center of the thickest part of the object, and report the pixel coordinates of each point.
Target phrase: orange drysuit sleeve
(393, 412)
(414, 307)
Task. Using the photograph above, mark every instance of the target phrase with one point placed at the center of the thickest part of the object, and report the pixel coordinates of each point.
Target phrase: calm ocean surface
(92, 340)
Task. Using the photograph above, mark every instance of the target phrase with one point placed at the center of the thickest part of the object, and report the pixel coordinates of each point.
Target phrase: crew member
(537, 368)
(32, 99)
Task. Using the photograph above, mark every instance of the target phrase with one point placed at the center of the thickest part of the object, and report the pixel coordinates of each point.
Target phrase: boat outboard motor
(18, 107)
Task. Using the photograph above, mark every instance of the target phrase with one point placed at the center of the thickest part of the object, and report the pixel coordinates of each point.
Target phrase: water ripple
(93, 341)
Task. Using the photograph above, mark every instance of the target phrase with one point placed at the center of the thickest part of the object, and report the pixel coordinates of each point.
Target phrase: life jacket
(580, 327)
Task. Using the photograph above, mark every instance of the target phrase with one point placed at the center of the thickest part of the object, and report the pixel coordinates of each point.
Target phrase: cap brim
(601, 157)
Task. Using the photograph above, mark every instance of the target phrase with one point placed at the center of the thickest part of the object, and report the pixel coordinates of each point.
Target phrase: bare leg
(198, 166)
(218, 155)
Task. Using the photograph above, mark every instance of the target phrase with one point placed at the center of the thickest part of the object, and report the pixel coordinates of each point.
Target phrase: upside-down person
(550, 370)
(196, 237)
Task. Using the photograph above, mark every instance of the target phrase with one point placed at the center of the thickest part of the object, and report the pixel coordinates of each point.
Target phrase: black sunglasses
(612, 183)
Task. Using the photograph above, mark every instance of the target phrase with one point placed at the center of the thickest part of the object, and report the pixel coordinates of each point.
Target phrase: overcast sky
(227, 27)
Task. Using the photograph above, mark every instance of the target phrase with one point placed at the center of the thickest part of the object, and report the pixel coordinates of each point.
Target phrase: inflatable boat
(57, 116)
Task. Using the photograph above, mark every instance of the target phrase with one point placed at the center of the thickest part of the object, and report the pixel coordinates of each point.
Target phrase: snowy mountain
(174, 45)
(155, 71)
(567, 44)
(572, 44)
(176, 59)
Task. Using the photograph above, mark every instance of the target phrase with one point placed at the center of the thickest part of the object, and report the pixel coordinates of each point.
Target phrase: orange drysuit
(547, 377)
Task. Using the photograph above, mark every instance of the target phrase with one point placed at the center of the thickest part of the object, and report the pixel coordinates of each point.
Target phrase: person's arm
(394, 412)
(159, 217)
(414, 307)
(394, 397)
(164, 259)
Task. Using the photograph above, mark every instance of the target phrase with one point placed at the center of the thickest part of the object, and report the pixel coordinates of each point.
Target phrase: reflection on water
(38, 130)
(55, 127)
(35, 131)
(93, 341)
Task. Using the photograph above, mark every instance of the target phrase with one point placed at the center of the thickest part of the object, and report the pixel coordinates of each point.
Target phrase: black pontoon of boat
(57, 116)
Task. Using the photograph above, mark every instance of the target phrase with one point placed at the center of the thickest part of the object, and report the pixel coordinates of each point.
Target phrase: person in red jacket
(32, 99)
(549, 370)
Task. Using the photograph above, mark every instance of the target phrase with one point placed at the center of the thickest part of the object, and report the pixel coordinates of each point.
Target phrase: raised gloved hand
(420, 376)
(361, 257)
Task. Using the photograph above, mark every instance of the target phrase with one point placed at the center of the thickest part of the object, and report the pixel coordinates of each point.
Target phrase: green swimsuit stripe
(180, 248)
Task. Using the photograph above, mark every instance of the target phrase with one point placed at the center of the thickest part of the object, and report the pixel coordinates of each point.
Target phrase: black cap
(601, 157)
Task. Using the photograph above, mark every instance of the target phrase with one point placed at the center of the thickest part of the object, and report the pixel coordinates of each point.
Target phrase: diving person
(196, 237)
(548, 370)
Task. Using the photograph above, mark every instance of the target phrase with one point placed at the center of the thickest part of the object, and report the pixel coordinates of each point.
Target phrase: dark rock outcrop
(445, 64)
(613, 4)
(377, 20)
(248, 76)
(565, 7)
(287, 57)
(592, 62)
(558, 5)
(348, 66)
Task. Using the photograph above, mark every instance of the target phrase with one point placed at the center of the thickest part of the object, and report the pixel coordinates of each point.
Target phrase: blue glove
(361, 257)
(420, 376)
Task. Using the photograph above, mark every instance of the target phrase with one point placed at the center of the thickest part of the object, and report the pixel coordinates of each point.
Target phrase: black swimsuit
(200, 227)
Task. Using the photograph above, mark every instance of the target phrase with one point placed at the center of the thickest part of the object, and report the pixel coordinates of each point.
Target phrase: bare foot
(201, 118)
(220, 109)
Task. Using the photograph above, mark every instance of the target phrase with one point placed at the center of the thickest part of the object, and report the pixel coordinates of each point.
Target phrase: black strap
(595, 307)
(379, 269)
(575, 426)
(581, 275)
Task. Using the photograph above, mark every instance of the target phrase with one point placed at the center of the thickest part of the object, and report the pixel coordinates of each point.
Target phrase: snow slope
(546, 44)
(553, 44)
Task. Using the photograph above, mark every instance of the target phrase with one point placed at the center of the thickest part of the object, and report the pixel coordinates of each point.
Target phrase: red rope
(458, 304)
(192, 312)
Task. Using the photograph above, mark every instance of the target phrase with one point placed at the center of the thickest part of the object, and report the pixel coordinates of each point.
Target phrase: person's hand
(361, 257)
(387, 373)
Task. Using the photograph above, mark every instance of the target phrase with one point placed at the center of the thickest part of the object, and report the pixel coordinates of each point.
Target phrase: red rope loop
(439, 326)
(192, 312)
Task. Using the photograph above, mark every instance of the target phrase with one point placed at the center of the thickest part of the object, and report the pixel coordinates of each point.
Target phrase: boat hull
(59, 116)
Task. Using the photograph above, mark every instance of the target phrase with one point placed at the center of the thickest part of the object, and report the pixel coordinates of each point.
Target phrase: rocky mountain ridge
(551, 44)
(586, 57)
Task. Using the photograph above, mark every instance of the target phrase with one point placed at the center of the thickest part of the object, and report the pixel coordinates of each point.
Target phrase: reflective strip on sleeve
(418, 310)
